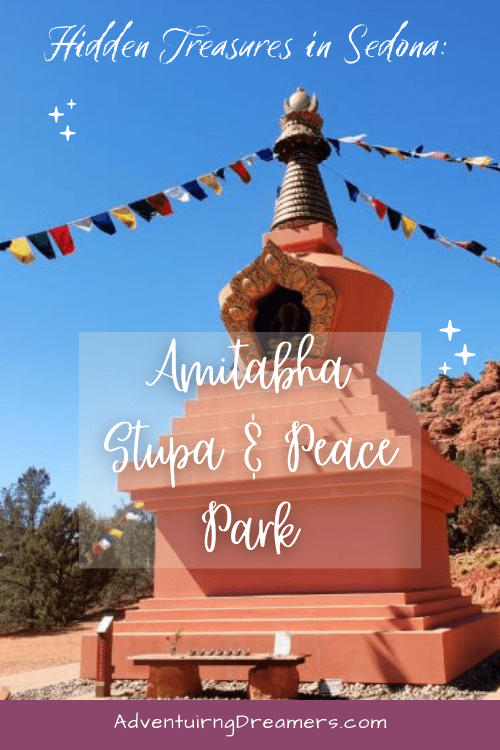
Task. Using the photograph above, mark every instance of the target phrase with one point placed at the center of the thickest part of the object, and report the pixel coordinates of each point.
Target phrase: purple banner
(342, 724)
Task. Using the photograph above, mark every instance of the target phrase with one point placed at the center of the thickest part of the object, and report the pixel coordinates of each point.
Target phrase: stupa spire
(301, 146)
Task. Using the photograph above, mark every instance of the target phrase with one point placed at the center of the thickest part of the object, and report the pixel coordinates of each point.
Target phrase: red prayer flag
(241, 171)
(63, 239)
(363, 145)
(97, 550)
(380, 208)
(160, 203)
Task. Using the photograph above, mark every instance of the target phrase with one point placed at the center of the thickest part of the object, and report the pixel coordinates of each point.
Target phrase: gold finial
(300, 101)
(301, 146)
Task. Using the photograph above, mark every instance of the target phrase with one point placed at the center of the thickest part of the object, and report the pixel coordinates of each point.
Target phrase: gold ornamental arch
(271, 269)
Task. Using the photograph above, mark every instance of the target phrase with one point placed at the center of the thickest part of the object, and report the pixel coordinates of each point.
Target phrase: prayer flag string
(484, 162)
(408, 225)
(113, 533)
(145, 208)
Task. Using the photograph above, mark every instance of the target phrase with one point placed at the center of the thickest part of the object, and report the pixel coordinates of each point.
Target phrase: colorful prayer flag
(104, 223)
(363, 145)
(473, 247)
(396, 152)
(138, 504)
(144, 209)
(41, 241)
(22, 251)
(85, 224)
(241, 171)
(394, 218)
(195, 190)
(161, 204)
(265, 154)
(478, 161)
(438, 155)
(429, 232)
(352, 138)
(445, 242)
(367, 198)
(335, 144)
(178, 193)
(380, 208)
(126, 216)
(408, 226)
(5, 245)
(104, 544)
(63, 239)
(352, 190)
(211, 181)
(250, 160)
(116, 533)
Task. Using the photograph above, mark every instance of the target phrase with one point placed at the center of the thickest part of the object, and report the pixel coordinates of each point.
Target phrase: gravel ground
(473, 685)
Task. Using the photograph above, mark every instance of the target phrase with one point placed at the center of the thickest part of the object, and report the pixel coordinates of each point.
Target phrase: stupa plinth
(366, 589)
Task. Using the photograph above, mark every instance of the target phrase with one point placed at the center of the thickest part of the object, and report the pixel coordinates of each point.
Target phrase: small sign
(330, 687)
(105, 624)
(282, 643)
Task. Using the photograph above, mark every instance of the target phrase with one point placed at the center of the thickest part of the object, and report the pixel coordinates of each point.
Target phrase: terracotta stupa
(366, 589)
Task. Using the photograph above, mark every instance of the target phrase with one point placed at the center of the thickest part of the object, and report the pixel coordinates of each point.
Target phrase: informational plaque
(104, 624)
(330, 687)
(282, 643)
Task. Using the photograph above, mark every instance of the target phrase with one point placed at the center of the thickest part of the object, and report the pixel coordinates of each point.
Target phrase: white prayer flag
(85, 224)
(132, 517)
(178, 193)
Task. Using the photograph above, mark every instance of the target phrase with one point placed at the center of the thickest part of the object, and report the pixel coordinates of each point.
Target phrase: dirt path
(21, 653)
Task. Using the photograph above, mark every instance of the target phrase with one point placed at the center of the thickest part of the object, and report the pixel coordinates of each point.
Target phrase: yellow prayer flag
(396, 152)
(116, 532)
(22, 251)
(211, 181)
(478, 161)
(408, 226)
(126, 216)
(138, 504)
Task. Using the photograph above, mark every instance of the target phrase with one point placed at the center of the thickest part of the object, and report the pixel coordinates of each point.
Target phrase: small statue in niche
(281, 316)
(288, 319)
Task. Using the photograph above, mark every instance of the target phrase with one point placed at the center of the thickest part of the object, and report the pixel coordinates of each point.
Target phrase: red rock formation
(462, 415)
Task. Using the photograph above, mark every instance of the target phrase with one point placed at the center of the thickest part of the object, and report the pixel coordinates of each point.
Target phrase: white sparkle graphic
(67, 133)
(449, 330)
(56, 114)
(465, 354)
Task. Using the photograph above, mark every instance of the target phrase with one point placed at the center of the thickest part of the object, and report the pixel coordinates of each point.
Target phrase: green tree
(474, 521)
(41, 581)
(21, 508)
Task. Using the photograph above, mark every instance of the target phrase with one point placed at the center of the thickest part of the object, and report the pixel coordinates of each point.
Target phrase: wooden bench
(176, 675)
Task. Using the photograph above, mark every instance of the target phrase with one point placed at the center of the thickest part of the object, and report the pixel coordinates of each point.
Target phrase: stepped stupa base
(365, 589)
(418, 637)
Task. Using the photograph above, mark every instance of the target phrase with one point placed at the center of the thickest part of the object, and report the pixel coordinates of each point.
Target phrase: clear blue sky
(142, 126)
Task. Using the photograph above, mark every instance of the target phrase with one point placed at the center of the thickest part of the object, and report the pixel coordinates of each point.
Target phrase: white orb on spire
(299, 100)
